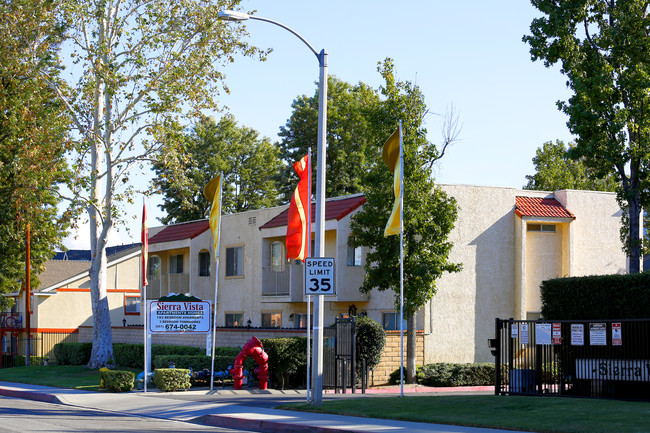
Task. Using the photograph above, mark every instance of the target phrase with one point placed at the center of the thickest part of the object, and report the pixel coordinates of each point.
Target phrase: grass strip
(61, 376)
(539, 414)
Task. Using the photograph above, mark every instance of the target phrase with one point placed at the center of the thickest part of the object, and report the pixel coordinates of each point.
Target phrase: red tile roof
(541, 207)
(180, 231)
(334, 209)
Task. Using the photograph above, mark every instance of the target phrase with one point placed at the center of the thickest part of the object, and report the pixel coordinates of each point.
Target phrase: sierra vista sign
(186, 316)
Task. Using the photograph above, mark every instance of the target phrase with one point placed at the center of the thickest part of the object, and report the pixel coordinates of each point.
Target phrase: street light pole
(319, 227)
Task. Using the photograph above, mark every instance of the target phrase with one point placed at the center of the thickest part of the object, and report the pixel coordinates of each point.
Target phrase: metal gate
(594, 358)
(339, 355)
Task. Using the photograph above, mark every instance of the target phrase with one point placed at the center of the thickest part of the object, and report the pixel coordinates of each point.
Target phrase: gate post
(497, 356)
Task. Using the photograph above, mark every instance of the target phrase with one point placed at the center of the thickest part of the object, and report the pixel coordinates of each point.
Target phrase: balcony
(11, 320)
(276, 283)
(162, 285)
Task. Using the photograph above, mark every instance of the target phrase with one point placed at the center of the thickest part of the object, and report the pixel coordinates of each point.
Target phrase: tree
(603, 47)
(249, 164)
(429, 214)
(140, 69)
(554, 170)
(33, 139)
(348, 124)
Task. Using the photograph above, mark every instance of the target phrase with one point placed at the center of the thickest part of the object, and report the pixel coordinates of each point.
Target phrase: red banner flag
(298, 232)
(145, 244)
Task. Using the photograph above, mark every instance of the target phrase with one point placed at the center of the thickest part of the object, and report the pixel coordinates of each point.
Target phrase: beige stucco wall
(595, 241)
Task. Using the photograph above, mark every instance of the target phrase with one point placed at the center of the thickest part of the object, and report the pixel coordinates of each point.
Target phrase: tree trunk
(634, 243)
(411, 346)
(102, 351)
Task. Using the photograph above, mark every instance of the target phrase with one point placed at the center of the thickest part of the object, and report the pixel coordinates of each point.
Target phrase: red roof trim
(336, 209)
(181, 231)
(541, 207)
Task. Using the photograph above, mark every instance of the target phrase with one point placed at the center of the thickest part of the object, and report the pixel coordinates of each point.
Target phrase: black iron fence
(339, 355)
(595, 358)
(13, 345)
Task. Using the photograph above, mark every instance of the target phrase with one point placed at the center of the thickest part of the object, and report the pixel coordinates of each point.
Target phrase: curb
(30, 395)
(241, 423)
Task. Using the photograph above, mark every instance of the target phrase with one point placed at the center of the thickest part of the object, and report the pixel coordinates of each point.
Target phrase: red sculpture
(253, 347)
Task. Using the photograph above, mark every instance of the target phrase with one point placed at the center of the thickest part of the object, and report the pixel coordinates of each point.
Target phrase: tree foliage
(250, 166)
(602, 47)
(555, 170)
(33, 139)
(429, 214)
(140, 70)
(349, 109)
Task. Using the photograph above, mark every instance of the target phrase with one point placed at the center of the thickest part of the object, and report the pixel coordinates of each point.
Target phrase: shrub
(600, 297)
(33, 360)
(171, 379)
(370, 342)
(393, 378)
(117, 380)
(72, 353)
(448, 374)
(287, 357)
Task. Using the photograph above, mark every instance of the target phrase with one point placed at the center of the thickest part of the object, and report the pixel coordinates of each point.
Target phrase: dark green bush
(132, 355)
(72, 353)
(393, 378)
(600, 297)
(448, 374)
(33, 360)
(117, 381)
(171, 379)
(287, 358)
(200, 362)
(370, 342)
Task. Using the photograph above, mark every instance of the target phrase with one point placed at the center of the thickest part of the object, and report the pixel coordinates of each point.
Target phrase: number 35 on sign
(319, 276)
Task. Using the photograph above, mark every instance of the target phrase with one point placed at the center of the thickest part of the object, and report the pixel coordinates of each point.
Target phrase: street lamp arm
(288, 29)
(229, 15)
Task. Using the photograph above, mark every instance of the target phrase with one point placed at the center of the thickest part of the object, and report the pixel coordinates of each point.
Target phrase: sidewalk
(217, 408)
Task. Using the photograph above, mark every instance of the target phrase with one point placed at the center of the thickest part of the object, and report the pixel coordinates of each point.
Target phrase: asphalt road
(23, 416)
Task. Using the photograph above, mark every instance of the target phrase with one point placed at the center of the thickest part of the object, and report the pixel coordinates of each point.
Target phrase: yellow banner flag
(212, 192)
(391, 156)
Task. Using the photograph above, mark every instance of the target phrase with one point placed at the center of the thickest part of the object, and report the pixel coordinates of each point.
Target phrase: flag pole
(401, 262)
(308, 253)
(216, 285)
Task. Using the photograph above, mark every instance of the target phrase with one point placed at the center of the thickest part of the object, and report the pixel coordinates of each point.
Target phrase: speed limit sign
(319, 276)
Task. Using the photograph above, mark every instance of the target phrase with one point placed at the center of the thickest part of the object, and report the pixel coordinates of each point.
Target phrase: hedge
(287, 360)
(171, 379)
(117, 380)
(601, 297)
(449, 374)
(132, 355)
(72, 353)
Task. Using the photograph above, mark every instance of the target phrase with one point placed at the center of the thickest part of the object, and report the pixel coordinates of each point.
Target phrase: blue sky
(466, 53)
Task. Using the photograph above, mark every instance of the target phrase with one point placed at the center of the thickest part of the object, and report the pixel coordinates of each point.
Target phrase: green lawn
(539, 414)
(61, 376)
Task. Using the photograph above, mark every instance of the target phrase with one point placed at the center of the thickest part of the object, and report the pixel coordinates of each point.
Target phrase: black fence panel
(595, 358)
(339, 355)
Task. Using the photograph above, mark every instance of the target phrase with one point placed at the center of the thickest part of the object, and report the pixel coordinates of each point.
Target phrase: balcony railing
(11, 320)
(276, 283)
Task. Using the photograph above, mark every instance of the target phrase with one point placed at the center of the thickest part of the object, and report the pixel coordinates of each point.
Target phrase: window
(354, 254)
(234, 320)
(390, 321)
(176, 264)
(300, 320)
(276, 257)
(548, 228)
(154, 267)
(271, 320)
(204, 264)
(131, 304)
(234, 262)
